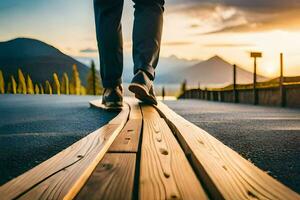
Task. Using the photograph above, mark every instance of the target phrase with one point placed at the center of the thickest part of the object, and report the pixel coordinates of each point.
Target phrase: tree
(48, 88)
(183, 87)
(12, 86)
(65, 89)
(93, 85)
(21, 83)
(30, 88)
(56, 84)
(8, 89)
(2, 83)
(41, 89)
(75, 85)
(37, 89)
(82, 90)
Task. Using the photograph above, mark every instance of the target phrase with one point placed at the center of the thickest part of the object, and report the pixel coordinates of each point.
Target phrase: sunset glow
(193, 29)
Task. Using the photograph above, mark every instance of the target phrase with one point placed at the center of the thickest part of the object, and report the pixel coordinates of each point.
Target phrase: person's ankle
(146, 72)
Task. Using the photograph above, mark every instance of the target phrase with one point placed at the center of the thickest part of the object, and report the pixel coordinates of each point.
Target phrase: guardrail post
(235, 98)
(281, 85)
(220, 96)
(255, 55)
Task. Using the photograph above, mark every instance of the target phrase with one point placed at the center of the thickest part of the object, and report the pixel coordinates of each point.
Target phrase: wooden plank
(225, 173)
(129, 137)
(112, 179)
(149, 112)
(165, 173)
(135, 110)
(63, 175)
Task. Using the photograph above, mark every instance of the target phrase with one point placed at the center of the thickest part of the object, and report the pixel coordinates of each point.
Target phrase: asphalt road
(34, 128)
(267, 136)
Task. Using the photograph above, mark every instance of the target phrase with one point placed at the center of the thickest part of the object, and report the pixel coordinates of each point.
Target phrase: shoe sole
(142, 94)
(112, 106)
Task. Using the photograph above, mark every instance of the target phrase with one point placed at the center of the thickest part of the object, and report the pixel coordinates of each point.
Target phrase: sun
(270, 69)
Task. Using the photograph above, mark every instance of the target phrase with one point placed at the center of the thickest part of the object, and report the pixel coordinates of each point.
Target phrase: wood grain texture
(129, 137)
(63, 175)
(149, 112)
(165, 173)
(225, 173)
(135, 110)
(112, 179)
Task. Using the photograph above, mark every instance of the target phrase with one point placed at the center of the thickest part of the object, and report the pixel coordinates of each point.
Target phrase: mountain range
(215, 72)
(212, 72)
(41, 60)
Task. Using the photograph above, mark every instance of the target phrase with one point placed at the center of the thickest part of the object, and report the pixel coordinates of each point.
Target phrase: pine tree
(30, 88)
(41, 89)
(183, 87)
(2, 83)
(37, 89)
(22, 83)
(75, 85)
(56, 84)
(48, 89)
(93, 85)
(13, 85)
(65, 84)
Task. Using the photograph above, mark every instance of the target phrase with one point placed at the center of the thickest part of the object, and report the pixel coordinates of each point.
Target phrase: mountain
(37, 59)
(214, 71)
(165, 66)
(170, 65)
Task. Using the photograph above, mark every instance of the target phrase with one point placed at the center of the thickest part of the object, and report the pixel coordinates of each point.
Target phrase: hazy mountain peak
(38, 59)
(26, 47)
(217, 58)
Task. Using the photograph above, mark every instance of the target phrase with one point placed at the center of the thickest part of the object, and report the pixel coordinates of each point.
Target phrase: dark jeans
(147, 30)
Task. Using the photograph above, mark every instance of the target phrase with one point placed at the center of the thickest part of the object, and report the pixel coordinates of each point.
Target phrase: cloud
(176, 43)
(89, 50)
(287, 20)
(229, 45)
(211, 17)
(262, 5)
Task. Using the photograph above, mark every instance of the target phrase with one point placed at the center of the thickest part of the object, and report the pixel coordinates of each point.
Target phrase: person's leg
(110, 43)
(147, 30)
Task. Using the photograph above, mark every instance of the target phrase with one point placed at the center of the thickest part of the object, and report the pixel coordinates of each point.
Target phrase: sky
(193, 29)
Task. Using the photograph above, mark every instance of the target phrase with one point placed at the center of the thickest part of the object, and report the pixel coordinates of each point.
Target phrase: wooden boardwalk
(146, 152)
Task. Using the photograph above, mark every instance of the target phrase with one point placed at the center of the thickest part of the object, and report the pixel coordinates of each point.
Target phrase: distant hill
(37, 59)
(287, 79)
(214, 71)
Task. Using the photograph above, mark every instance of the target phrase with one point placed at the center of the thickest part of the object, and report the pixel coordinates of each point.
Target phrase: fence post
(281, 85)
(255, 97)
(219, 96)
(235, 99)
(255, 55)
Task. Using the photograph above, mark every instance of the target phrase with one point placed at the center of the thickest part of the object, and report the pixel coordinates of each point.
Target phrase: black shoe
(142, 87)
(112, 98)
